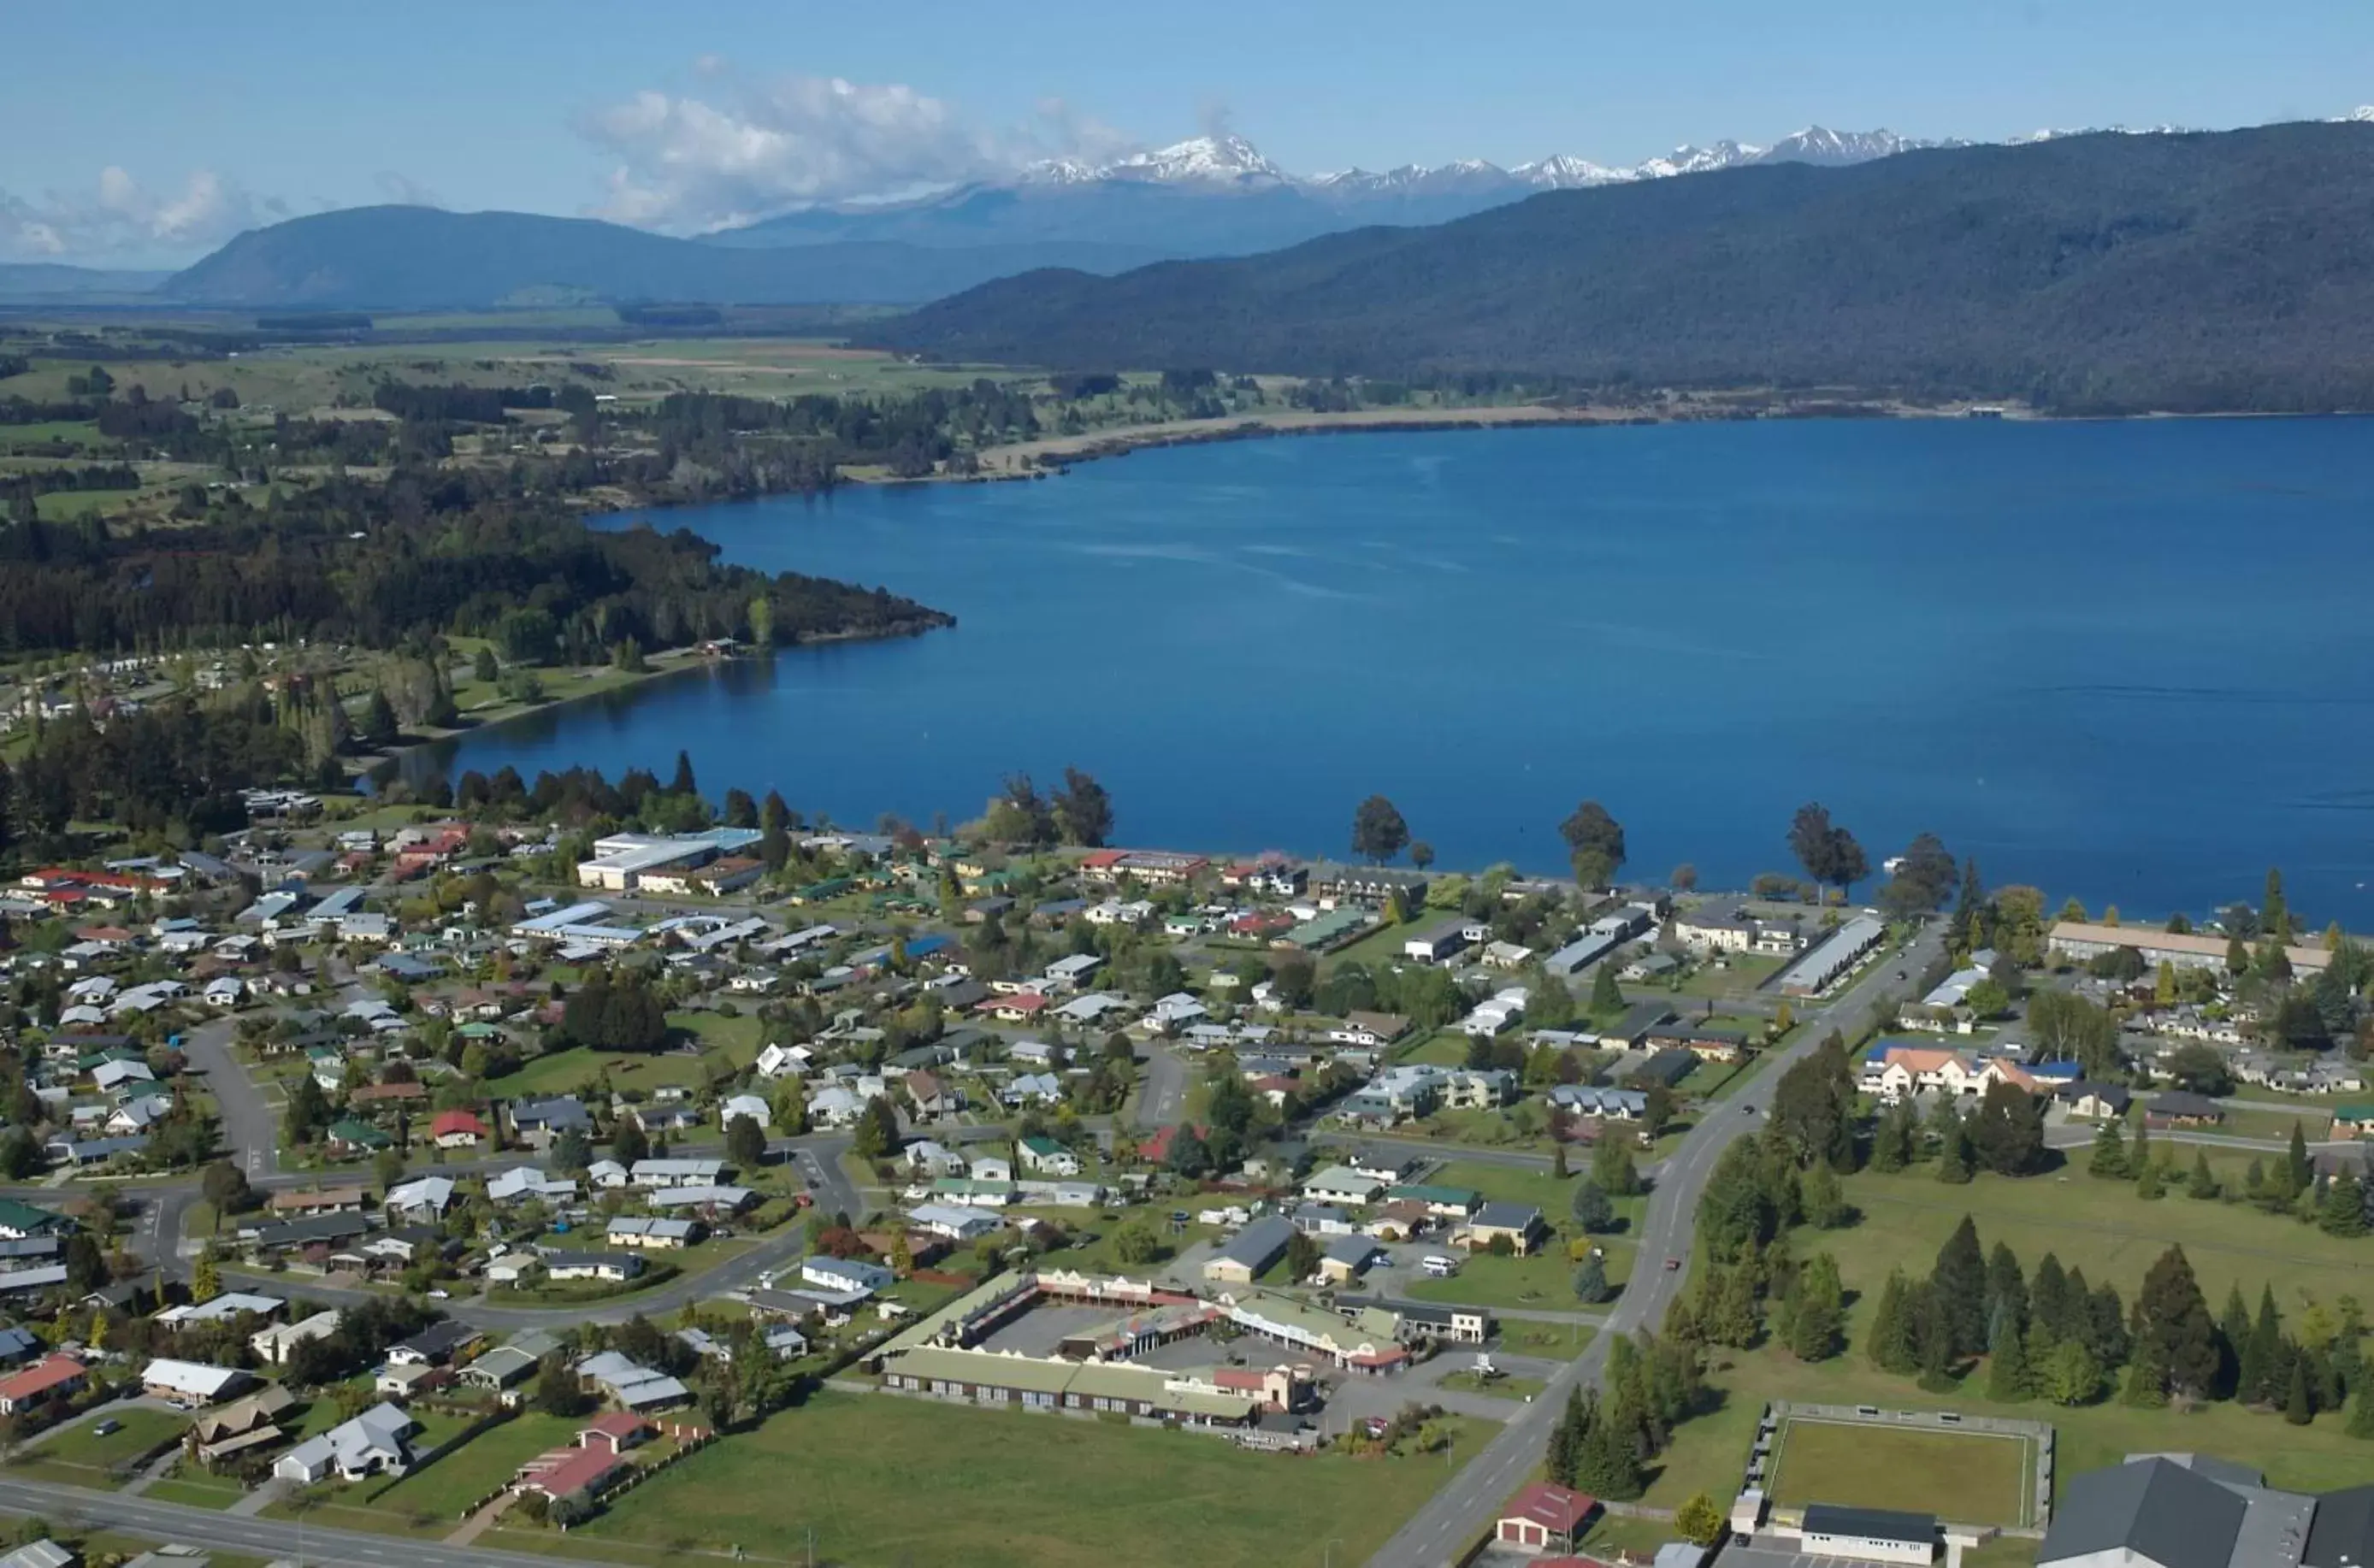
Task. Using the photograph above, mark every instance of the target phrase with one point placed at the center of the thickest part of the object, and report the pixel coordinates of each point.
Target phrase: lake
(2130, 661)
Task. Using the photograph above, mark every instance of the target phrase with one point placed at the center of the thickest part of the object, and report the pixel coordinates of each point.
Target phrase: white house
(373, 1443)
(1049, 1157)
(749, 1105)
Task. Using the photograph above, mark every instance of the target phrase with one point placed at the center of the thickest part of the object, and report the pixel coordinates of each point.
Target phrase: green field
(725, 1043)
(1560, 1341)
(442, 1489)
(1544, 1283)
(79, 1457)
(1967, 1476)
(2100, 1225)
(1554, 1196)
(1505, 1386)
(883, 1480)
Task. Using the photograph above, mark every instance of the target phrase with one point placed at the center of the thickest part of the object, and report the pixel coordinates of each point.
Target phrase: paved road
(1461, 1513)
(250, 1128)
(1163, 1101)
(268, 1539)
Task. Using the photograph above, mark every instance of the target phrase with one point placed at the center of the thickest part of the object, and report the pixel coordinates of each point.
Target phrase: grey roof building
(2342, 1534)
(2180, 1511)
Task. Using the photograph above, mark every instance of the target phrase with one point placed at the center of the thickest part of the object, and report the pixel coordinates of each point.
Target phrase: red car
(1673, 1264)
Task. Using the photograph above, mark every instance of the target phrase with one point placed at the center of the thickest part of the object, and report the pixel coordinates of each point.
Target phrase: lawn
(1544, 1283)
(1491, 1129)
(1036, 1490)
(560, 1073)
(79, 1457)
(2275, 1125)
(1709, 1452)
(1554, 1196)
(1444, 1047)
(442, 1489)
(1739, 977)
(1505, 1386)
(195, 1489)
(1967, 1476)
(2099, 1225)
(1559, 1341)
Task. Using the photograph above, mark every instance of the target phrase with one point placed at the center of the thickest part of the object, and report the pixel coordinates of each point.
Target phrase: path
(1461, 1513)
(480, 1522)
(152, 1472)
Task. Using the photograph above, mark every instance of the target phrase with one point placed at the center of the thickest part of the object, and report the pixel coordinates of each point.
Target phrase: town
(478, 1176)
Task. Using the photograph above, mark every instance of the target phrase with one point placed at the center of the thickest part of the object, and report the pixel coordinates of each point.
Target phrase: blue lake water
(2127, 660)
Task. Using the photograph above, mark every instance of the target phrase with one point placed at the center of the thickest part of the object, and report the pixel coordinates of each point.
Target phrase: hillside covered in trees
(2102, 272)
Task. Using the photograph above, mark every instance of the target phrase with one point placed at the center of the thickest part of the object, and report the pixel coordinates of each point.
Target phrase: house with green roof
(1048, 1157)
(20, 1220)
(351, 1136)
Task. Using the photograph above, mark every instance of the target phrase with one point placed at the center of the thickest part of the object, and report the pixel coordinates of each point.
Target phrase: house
(931, 1096)
(614, 1268)
(656, 1174)
(2080, 940)
(1436, 942)
(1833, 957)
(1347, 1258)
(1520, 1224)
(2099, 1101)
(539, 1122)
(49, 1380)
(272, 1345)
(633, 1386)
(1715, 928)
(373, 1443)
(1868, 1534)
(41, 1554)
(748, 1106)
(1545, 1518)
(1048, 1157)
(523, 1182)
(20, 1220)
(647, 1234)
(191, 1384)
(2352, 1121)
(847, 1274)
(440, 1344)
(457, 1129)
(242, 1426)
(421, 1199)
(2176, 1107)
(1370, 1029)
(1251, 1251)
(348, 1135)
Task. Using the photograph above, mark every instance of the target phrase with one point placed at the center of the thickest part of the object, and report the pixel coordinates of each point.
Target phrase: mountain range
(1219, 195)
(1211, 196)
(2183, 271)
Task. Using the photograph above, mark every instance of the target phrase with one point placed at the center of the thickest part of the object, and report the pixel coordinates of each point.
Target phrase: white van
(1439, 1266)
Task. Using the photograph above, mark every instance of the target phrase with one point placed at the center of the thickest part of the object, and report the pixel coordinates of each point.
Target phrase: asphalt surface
(1461, 1513)
(269, 1539)
(1164, 1098)
(250, 1126)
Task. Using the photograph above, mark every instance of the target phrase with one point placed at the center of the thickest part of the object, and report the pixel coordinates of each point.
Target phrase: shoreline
(679, 663)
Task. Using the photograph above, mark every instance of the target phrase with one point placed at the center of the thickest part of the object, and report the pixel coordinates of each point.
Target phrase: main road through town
(1459, 1515)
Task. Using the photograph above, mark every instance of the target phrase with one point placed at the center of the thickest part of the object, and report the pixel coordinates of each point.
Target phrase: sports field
(1970, 1478)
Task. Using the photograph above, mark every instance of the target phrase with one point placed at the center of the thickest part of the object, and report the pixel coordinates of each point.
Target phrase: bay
(2127, 661)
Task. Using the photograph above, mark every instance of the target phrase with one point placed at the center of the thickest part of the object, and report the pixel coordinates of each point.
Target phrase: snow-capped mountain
(1232, 161)
(2361, 115)
(1201, 160)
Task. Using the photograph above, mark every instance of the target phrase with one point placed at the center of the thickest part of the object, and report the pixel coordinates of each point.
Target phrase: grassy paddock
(1971, 1478)
(1037, 1491)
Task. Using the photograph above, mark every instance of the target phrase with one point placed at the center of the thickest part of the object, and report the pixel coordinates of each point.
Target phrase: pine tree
(2303, 1169)
(2048, 1303)
(2175, 1339)
(2006, 1290)
(2300, 1408)
(1591, 1279)
(1605, 996)
(1817, 1310)
(1563, 1436)
(1896, 1138)
(2007, 1373)
(1959, 1283)
(2361, 1411)
(2233, 1334)
(2139, 1152)
(1935, 1333)
(2254, 1382)
(1607, 1464)
(2150, 1186)
(1736, 1320)
(2203, 1181)
(2341, 1212)
(2109, 1157)
(206, 1280)
(1891, 1342)
(1957, 1161)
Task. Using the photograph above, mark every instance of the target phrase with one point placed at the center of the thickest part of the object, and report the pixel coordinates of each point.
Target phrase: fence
(495, 1417)
(1763, 1461)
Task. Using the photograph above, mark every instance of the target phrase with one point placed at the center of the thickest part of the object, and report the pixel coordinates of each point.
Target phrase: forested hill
(419, 258)
(2105, 271)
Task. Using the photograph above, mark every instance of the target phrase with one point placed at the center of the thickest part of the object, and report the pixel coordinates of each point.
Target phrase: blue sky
(149, 140)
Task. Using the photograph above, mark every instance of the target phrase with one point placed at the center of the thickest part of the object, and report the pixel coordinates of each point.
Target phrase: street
(1459, 1515)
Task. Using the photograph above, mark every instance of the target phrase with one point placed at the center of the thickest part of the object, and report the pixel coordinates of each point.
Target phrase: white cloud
(120, 218)
(404, 190)
(687, 164)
